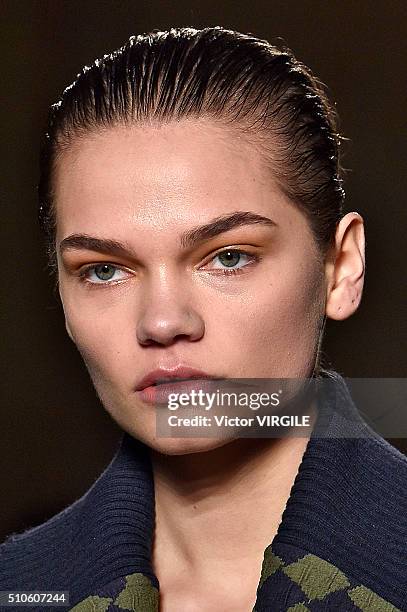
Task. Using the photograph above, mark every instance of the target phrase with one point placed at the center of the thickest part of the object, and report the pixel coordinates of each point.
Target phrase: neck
(221, 508)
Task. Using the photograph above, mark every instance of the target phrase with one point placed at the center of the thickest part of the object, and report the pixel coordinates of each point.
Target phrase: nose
(167, 315)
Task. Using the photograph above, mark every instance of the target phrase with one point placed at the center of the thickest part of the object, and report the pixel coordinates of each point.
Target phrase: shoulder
(103, 536)
(382, 474)
(348, 505)
(36, 557)
(43, 556)
(386, 457)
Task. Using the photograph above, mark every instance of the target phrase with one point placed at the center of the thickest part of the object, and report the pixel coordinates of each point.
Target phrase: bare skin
(167, 305)
(215, 514)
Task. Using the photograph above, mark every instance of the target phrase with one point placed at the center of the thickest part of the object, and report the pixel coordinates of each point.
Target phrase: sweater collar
(119, 511)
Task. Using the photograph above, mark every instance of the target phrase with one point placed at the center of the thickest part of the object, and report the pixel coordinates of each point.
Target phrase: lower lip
(158, 395)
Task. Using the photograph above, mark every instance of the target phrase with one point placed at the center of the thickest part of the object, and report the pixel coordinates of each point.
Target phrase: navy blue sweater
(341, 544)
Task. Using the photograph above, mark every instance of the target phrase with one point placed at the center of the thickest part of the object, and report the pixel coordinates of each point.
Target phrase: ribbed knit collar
(332, 511)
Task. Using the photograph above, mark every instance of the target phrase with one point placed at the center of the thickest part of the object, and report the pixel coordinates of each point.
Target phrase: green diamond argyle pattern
(317, 579)
(139, 595)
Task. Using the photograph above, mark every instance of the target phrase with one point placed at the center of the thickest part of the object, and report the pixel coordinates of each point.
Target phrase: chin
(185, 446)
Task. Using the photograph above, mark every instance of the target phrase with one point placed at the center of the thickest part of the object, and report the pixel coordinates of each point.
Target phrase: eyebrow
(188, 239)
(221, 224)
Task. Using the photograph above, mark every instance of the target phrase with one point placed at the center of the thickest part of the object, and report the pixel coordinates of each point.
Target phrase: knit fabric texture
(341, 544)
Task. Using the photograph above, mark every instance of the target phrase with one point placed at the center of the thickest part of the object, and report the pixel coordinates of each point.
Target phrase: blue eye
(103, 274)
(230, 258)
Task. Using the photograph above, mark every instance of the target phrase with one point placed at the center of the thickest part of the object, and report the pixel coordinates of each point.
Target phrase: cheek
(267, 329)
(101, 339)
(274, 330)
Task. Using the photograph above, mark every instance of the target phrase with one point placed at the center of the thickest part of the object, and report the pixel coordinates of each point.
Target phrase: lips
(159, 394)
(158, 384)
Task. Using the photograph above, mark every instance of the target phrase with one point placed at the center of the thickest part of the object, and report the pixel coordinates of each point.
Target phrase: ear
(345, 268)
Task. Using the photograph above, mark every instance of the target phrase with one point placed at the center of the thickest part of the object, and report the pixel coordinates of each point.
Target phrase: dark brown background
(55, 437)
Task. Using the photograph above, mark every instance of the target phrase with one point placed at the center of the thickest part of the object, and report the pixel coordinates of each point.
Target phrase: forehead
(160, 177)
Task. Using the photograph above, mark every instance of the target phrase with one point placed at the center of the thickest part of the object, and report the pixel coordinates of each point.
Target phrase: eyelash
(227, 271)
(223, 271)
(91, 284)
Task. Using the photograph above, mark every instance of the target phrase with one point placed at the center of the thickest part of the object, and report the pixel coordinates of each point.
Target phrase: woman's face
(172, 294)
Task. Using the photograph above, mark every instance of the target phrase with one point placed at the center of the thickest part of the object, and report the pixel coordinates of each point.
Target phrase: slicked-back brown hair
(235, 79)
